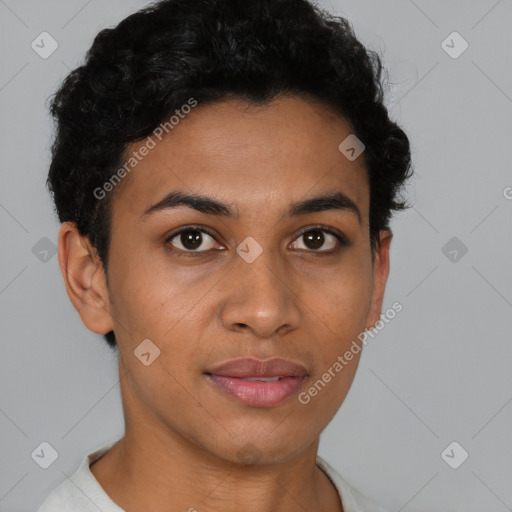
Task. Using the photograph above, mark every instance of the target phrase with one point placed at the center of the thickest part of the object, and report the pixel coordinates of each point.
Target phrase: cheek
(146, 300)
(343, 301)
(326, 391)
(338, 312)
(168, 313)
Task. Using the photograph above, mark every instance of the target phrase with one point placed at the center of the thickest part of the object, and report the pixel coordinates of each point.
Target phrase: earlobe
(380, 276)
(84, 279)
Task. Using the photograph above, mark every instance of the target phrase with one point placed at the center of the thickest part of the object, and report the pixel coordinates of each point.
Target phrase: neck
(163, 475)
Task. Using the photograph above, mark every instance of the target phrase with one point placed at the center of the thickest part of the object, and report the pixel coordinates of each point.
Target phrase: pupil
(191, 239)
(314, 239)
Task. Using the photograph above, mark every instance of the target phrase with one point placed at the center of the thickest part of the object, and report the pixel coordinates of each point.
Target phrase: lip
(230, 378)
(252, 367)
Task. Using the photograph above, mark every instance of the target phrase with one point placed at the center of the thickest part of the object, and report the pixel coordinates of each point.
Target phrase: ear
(85, 279)
(380, 277)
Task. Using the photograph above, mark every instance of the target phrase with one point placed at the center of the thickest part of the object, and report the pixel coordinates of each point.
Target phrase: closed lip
(253, 367)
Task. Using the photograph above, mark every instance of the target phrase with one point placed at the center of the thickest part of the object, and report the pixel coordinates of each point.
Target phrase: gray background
(438, 373)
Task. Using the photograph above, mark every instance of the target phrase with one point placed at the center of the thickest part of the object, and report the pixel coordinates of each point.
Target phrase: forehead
(255, 158)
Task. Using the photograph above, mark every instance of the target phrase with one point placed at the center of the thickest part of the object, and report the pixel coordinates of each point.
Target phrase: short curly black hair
(138, 73)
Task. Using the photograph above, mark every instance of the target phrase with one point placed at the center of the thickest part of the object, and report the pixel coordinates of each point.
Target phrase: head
(229, 119)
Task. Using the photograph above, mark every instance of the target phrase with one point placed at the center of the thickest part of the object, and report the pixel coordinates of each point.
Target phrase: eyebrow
(208, 205)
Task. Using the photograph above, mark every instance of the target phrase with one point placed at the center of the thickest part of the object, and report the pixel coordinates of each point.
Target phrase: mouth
(258, 383)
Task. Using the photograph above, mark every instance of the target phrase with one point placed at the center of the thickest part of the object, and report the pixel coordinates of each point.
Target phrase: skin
(183, 436)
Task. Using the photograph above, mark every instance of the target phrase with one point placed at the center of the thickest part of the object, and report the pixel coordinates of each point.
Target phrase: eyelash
(342, 241)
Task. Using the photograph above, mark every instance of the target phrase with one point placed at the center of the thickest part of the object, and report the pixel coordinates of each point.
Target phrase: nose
(261, 298)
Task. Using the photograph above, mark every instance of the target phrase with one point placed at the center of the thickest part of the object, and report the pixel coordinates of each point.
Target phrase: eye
(191, 238)
(196, 239)
(315, 237)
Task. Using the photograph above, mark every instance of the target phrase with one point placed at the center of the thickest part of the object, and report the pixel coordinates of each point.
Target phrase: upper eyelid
(192, 227)
(341, 238)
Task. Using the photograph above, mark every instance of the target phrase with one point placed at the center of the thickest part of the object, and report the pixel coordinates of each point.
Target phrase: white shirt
(83, 493)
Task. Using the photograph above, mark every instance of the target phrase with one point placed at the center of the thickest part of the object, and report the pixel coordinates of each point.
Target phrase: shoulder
(67, 496)
(81, 492)
(351, 498)
(61, 498)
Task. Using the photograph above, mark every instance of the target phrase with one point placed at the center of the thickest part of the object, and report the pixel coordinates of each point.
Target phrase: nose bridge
(265, 277)
(261, 297)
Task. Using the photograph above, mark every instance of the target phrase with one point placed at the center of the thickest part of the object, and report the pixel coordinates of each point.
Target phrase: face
(268, 273)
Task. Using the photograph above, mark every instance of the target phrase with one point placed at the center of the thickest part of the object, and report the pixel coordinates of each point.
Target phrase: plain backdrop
(439, 373)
